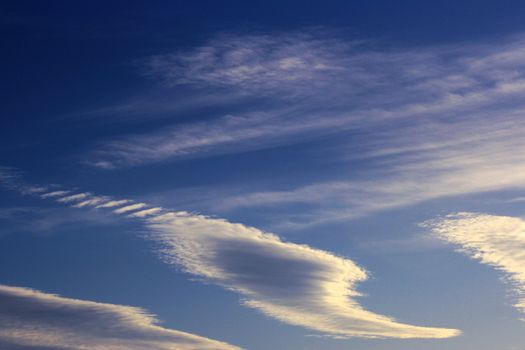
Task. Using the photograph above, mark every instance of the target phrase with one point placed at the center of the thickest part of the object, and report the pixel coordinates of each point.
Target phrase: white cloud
(145, 213)
(253, 130)
(54, 194)
(436, 121)
(111, 204)
(71, 198)
(416, 164)
(29, 318)
(92, 202)
(129, 208)
(497, 241)
(314, 85)
(294, 283)
(256, 62)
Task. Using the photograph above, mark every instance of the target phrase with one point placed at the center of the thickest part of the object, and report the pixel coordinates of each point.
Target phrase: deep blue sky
(344, 125)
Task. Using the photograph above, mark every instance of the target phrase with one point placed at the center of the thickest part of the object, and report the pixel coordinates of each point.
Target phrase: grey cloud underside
(32, 320)
(294, 283)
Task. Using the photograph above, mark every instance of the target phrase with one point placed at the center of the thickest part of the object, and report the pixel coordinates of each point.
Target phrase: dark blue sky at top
(80, 53)
(62, 58)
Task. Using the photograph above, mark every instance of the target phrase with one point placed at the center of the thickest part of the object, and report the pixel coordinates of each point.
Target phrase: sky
(262, 175)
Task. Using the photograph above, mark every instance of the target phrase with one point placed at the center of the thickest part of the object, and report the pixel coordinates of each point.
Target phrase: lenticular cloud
(497, 241)
(293, 283)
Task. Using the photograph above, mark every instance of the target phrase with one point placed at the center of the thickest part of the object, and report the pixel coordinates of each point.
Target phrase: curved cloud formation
(497, 241)
(30, 319)
(294, 283)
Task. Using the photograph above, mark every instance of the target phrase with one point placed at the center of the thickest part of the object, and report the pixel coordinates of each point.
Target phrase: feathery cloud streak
(294, 283)
(29, 318)
(498, 241)
(314, 85)
(417, 163)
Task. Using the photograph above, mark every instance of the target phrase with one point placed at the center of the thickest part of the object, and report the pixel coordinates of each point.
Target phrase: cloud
(54, 194)
(498, 241)
(71, 198)
(256, 62)
(111, 204)
(30, 319)
(92, 202)
(436, 121)
(128, 208)
(145, 212)
(224, 135)
(293, 283)
(313, 83)
(412, 164)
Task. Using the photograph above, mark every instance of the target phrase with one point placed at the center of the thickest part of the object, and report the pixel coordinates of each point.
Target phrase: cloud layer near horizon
(30, 319)
(294, 283)
(498, 241)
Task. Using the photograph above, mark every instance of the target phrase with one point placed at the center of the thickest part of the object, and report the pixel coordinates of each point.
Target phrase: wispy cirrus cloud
(293, 283)
(498, 241)
(312, 84)
(259, 63)
(31, 319)
(412, 164)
